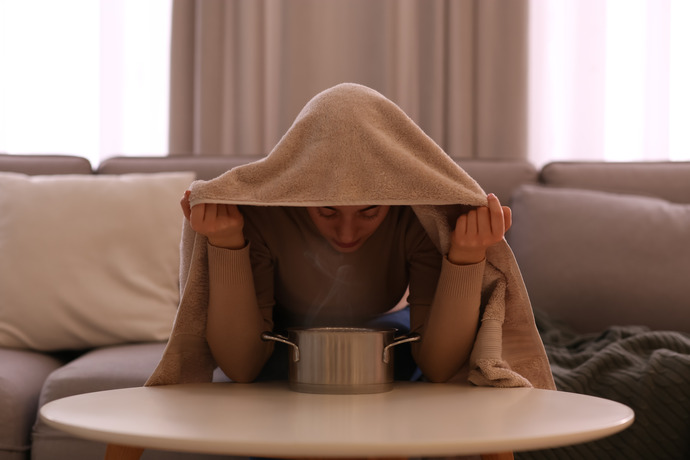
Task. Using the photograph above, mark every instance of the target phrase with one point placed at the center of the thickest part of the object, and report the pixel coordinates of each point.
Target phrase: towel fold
(352, 146)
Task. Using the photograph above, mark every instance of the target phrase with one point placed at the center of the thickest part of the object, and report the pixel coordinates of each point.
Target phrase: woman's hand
(222, 224)
(478, 230)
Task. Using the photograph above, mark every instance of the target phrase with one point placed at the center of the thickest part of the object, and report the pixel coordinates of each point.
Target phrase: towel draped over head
(352, 146)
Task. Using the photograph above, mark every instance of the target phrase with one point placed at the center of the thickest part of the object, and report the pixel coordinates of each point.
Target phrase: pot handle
(279, 338)
(413, 337)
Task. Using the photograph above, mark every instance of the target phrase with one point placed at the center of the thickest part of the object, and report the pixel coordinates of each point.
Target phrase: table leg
(117, 452)
(499, 456)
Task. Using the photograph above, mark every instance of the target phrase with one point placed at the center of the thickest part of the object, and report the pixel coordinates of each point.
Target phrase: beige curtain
(242, 69)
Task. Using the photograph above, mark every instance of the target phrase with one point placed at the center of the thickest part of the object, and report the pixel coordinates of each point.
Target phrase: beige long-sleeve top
(289, 275)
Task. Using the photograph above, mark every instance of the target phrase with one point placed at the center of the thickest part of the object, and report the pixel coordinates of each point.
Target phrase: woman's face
(346, 228)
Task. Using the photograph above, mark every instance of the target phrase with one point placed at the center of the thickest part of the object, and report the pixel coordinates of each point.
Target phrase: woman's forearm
(235, 321)
(449, 325)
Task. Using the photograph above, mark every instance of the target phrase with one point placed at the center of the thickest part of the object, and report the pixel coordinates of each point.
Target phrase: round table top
(269, 419)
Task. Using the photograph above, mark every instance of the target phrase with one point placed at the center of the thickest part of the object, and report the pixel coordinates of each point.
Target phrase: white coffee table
(270, 420)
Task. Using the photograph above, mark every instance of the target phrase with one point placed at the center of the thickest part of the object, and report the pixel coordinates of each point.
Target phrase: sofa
(603, 249)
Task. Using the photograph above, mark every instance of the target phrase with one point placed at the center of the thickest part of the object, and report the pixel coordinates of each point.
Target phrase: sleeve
(445, 301)
(238, 312)
(231, 276)
(243, 275)
(433, 279)
(439, 285)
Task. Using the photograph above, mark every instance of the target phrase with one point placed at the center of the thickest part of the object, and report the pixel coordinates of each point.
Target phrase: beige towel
(352, 146)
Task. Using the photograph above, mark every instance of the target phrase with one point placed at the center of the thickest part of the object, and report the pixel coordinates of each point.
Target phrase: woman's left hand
(478, 230)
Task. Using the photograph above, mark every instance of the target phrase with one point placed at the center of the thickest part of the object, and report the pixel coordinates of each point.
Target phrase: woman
(352, 207)
(447, 322)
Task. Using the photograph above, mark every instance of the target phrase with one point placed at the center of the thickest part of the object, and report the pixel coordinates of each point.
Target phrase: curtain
(84, 77)
(242, 69)
(609, 80)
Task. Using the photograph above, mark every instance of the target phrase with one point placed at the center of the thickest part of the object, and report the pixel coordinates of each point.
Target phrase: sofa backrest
(44, 164)
(499, 177)
(667, 180)
(205, 167)
(496, 176)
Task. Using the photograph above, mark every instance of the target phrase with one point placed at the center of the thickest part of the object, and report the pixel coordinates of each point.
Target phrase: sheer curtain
(84, 77)
(242, 69)
(609, 80)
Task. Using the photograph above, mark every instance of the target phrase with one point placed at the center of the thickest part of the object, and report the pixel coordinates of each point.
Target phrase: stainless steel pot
(341, 360)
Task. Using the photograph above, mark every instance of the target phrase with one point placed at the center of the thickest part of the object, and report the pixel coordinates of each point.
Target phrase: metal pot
(341, 360)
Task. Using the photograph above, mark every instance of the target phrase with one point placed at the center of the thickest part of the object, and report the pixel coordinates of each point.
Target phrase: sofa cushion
(596, 259)
(88, 260)
(22, 374)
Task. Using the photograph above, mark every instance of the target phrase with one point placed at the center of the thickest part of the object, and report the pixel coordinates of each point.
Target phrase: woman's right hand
(222, 224)
(478, 230)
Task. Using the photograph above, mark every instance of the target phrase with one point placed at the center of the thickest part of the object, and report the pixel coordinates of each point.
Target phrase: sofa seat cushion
(107, 368)
(22, 374)
(596, 259)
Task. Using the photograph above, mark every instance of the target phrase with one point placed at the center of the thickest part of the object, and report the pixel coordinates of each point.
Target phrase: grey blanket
(648, 371)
